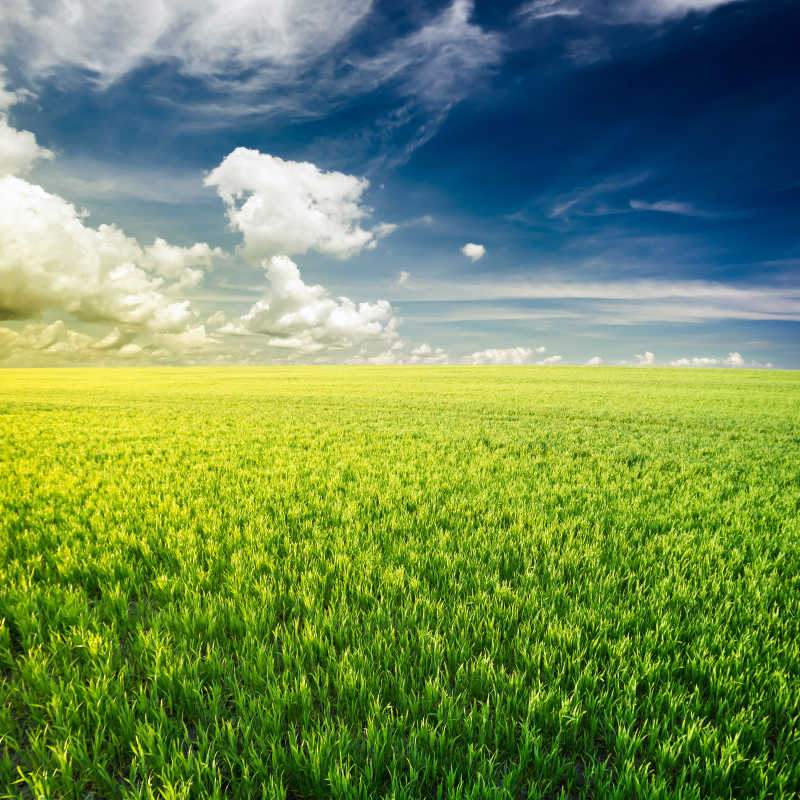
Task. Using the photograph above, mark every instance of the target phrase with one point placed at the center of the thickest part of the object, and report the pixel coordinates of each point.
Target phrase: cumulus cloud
(697, 361)
(734, 360)
(508, 355)
(645, 359)
(217, 319)
(383, 229)
(305, 318)
(291, 207)
(474, 252)
(594, 361)
(209, 40)
(19, 150)
(403, 278)
(50, 259)
(731, 360)
(550, 361)
(55, 343)
(402, 352)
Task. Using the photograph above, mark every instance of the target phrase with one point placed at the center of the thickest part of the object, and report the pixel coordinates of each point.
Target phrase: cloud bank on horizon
(294, 183)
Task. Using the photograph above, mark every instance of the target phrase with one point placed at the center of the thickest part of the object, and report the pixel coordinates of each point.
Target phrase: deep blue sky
(631, 169)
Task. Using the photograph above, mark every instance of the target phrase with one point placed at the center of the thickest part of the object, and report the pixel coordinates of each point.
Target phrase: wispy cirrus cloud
(647, 12)
(258, 58)
(214, 41)
(626, 302)
(672, 207)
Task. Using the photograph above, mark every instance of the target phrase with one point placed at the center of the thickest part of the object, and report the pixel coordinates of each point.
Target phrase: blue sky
(297, 182)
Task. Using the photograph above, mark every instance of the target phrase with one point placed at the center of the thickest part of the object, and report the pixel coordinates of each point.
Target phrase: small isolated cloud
(734, 360)
(297, 316)
(541, 349)
(403, 278)
(594, 361)
(645, 359)
(508, 356)
(475, 252)
(291, 207)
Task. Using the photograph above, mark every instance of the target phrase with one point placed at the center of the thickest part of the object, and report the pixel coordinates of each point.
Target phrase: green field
(399, 582)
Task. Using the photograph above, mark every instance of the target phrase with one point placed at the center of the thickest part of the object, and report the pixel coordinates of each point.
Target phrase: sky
(357, 181)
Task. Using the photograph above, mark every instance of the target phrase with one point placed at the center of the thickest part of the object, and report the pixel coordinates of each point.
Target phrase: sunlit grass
(410, 583)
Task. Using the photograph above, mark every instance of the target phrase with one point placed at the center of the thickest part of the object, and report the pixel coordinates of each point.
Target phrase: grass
(407, 583)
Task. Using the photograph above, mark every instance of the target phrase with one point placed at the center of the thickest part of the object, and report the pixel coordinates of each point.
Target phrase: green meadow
(362, 582)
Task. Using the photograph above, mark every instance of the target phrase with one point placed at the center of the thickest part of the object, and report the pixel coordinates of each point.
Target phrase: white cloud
(645, 359)
(509, 355)
(438, 63)
(546, 9)
(431, 69)
(261, 57)
(291, 207)
(648, 12)
(402, 352)
(732, 360)
(383, 229)
(176, 263)
(587, 200)
(217, 319)
(632, 301)
(403, 278)
(541, 349)
(211, 39)
(594, 361)
(19, 150)
(697, 361)
(55, 343)
(304, 318)
(474, 252)
(670, 207)
(49, 259)
(653, 11)
(550, 361)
